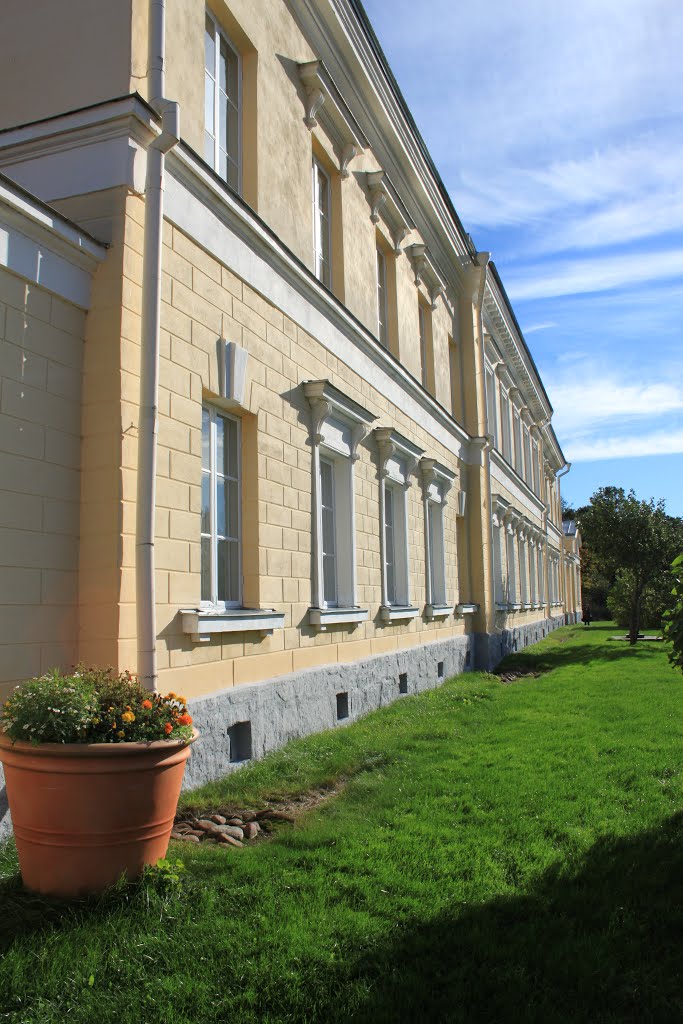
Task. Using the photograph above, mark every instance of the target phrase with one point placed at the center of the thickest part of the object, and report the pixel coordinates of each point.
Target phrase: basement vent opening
(239, 741)
(403, 682)
(342, 706)
(439, 669)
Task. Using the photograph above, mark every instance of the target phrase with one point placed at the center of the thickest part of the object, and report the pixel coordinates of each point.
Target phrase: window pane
(228, 571)
(209, 45)
(208, 104)
(326, 491)
(328, 531)
(233, 175)
(232, 510)
(329, 580)
(232, 138)
(232, 464)
(206, 503)
(206, 569)
(222, 119)
(389, 544)
(206, 439)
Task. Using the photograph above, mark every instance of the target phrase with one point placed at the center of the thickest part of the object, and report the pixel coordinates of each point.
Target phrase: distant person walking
(587, 617)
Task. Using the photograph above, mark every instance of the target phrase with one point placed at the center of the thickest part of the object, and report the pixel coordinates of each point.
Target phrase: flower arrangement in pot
(93, 764)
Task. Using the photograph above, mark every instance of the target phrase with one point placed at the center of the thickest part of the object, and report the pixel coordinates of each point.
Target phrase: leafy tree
(674, 616)
(633, 543)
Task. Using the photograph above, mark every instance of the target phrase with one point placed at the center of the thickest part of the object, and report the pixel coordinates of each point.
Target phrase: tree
(633, 543)
(674, 616)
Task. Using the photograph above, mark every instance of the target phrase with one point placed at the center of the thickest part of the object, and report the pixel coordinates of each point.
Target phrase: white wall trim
(45, 249)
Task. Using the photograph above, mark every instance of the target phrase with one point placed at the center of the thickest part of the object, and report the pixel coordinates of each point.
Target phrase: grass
(500, 853)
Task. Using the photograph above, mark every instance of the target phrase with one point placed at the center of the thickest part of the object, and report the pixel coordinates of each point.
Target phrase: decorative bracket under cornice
(324, 104)
(385, 201)
(418, 257)
(389, 444)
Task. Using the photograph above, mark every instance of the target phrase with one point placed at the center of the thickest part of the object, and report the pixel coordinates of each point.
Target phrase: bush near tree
(628, 547)
(674, 616)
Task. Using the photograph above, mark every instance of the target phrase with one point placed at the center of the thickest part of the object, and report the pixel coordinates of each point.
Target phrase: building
(271, 434)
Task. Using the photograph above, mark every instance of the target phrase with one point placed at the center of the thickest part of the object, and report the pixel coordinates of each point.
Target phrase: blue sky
(558, 131)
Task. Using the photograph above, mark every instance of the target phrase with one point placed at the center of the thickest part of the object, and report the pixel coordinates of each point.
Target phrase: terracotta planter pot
(86, 813)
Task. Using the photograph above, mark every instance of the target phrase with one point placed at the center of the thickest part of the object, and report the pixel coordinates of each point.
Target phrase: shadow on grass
(601, 944)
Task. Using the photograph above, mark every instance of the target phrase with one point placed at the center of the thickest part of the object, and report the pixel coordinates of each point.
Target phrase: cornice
(335, 32)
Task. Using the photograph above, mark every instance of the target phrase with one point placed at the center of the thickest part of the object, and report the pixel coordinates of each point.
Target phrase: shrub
(673, 618)
(93, 706)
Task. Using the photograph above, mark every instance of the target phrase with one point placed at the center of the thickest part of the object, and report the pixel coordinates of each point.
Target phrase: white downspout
(149, 368)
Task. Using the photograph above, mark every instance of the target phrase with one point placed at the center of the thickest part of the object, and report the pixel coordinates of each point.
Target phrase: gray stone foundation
(493, 647)
(246, 722)
(253, 720)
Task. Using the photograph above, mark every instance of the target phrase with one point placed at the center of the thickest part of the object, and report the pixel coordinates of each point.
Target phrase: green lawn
(500, 853)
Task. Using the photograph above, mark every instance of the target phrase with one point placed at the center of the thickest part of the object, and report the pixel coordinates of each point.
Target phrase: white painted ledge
(501, 606)
(394, 613)
(438, 611)
(202, 624)
(321, 618)
(512, 607)
(467, 609)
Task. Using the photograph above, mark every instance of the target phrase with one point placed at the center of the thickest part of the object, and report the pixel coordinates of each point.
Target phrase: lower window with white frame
(337, 526)
(221, 569)
(396, 544)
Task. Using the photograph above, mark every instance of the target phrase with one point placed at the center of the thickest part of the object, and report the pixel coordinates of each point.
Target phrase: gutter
(149, 368)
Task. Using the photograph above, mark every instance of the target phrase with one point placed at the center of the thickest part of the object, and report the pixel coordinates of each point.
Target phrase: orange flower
(183, 700)
(168, 728)
(185, 719)
(127, 716)
(113, 725)
(147, 705)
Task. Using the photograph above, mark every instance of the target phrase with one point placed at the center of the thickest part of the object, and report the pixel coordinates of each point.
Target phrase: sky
(557, 128)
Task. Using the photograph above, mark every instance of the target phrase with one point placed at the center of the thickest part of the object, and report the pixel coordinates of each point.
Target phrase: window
(505, 425)
(329, 532)
(527, 458)
(222, 104)
(436, 483)
(517, 427)
(382, 320)
(512, 574)
(536, 484)
(336, 530)
(396, 542)
(437, 561)
(221, 570)
(321, 225)
(338, 425)
(424, 342)
(454, 373)
(491, 415)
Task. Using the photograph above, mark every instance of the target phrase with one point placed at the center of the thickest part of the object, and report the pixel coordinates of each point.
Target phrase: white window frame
(528, 477)
(214, 602)
(536, 472)
(395, 491)
(510, 565)
(341, 466)
(422, 329)
(491, 411)
(437, 482)
(212, 75)
(382, 305)
(517, 437)
(322, 225)
(338, 425)
(505, 403)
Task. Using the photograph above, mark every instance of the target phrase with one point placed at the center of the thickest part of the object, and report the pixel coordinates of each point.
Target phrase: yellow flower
(183, 700)
(170, 696)
(127, 716)
(121, 734)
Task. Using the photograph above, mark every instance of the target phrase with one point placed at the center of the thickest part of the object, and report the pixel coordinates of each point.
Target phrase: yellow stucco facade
(395, 374)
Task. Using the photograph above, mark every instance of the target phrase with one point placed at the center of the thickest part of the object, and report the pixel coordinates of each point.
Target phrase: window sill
(201, 624)
(467, 609)
(512, 607)
(437, 611)
(321, 618)
(501, 606)
(396, 613)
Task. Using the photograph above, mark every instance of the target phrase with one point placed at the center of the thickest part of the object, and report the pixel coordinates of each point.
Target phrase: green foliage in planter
(93, 706)
(673, 618)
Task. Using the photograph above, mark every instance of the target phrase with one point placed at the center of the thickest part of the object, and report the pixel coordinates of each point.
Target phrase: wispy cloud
(597, 274)
(588, 400)
(539, 327)
(661, 442)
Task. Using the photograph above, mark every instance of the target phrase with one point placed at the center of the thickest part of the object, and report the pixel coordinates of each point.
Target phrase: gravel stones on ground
(228, 829)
